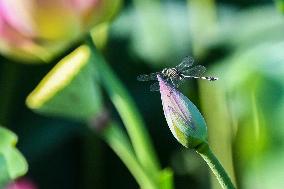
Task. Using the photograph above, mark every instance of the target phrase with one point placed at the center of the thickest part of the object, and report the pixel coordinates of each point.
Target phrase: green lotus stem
(4, 177)
(128, 112)
(114, 136)
(216, 167)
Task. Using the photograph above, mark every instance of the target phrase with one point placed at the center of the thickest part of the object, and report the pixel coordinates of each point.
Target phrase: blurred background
(241, 42)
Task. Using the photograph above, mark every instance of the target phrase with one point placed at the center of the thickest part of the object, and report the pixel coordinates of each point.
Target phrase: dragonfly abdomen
(204, 77)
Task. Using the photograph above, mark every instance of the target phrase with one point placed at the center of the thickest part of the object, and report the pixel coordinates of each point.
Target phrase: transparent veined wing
(173, 82)
(196, 71)
(176, 82)
(148, 77)
(155, 87)
(186, 63)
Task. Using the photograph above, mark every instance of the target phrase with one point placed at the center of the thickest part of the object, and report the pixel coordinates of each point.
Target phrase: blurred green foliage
(70, 86)
(241, 42)
(12, 163)
(251, 88)
(280, 5)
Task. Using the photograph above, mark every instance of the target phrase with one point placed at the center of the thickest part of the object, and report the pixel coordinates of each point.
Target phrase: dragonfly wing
(148, 77)
(186, 63)
(176, 82)
(196, 71)
(155, 87)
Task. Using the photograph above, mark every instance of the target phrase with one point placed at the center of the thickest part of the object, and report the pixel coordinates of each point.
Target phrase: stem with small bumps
(216, 167)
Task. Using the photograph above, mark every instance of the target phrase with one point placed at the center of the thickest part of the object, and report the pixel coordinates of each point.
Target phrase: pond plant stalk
(144, 164)
(117, 140)
(205, 152)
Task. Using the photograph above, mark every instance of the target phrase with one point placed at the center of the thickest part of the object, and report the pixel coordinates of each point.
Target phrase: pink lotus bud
(183, 118)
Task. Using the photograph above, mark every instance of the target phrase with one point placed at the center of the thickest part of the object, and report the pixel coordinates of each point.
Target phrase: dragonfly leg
(174, 85)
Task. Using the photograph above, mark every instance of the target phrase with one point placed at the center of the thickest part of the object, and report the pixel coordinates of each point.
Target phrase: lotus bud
(184, 120)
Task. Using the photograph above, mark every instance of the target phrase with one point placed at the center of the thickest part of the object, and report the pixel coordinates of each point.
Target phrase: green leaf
(69, 89)
(4, 176)
(12, 163)
(7, 137)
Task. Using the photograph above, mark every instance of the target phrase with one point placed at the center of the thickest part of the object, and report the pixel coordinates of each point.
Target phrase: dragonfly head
(164, 71)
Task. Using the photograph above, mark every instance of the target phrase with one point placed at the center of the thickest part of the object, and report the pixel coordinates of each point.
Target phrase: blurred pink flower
(34, 30)
(22, 184)
(183, 118)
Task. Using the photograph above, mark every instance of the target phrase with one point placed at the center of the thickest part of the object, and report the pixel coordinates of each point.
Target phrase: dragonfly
(176, 75)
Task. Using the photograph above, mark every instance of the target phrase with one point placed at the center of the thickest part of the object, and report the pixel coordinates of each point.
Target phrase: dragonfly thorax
(171, 73)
